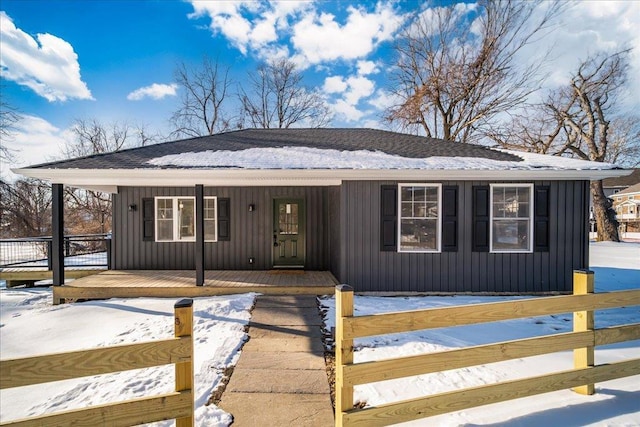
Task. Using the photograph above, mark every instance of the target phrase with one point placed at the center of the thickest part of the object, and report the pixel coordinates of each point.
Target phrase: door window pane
(288, 218)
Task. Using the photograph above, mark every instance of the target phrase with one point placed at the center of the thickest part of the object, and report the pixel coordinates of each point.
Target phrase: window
(288, 218)
(420, 212)
(511, 217)
(175, 219)
(210, 215)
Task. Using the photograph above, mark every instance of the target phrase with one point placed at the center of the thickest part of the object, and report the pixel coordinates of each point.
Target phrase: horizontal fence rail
(178, 405)
(582, 341)
(87, 250)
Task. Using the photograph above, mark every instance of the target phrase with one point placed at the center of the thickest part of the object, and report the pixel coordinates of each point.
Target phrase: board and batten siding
(365, 267)
(251, 232)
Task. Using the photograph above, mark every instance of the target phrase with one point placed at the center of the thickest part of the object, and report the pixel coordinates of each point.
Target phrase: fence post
(184, 370)
(343, 351)
(583, 321)
(108, 245)
(49, 254)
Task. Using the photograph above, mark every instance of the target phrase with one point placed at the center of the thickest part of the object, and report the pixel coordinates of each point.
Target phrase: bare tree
(25, 208)
(624, 141)
(204, 90)
(584, 119)
(93, 208)
(277, 98)
(457, 69)
(586, 108)
(8, 117)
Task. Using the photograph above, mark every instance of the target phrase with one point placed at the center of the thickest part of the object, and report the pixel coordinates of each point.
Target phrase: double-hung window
(419, 226)
(176, 219)
(511, 217)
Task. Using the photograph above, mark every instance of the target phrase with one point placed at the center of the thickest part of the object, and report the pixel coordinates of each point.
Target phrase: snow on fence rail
(178, 405)
(87, 250)
(582, 341)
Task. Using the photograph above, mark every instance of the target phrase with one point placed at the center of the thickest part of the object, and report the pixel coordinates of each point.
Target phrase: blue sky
(113, 60)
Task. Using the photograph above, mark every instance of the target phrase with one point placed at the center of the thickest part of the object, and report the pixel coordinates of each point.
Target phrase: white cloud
(586, 28)
(249, 24)
(39, 141)
(383, 100)
(352, 90)
(154, 91)
(348, 112)
(47, 65)
(270, 27)
(367, 67)
(319, 37)
(334, 84)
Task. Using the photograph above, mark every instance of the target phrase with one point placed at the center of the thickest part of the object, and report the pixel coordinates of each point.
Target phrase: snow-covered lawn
(617, 403)
(30, 325)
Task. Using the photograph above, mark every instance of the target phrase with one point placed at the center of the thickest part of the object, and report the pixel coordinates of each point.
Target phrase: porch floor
(181, 283)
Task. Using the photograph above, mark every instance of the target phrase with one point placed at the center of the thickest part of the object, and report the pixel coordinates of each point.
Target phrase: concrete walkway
(281, 378)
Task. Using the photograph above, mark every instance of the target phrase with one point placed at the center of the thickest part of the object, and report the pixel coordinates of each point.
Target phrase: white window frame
(215, 228)
(438, 248)
(176, 225)
(492, 219)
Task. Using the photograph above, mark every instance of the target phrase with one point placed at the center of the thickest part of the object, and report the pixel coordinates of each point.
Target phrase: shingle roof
(623, 181)
(629, 190)
(399, 144)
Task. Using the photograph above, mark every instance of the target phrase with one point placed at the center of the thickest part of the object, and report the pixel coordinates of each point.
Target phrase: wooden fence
(62, 366)
(582, 341)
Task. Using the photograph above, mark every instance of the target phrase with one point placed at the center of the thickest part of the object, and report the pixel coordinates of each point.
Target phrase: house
(383, 211)
(612, 186)
(627, 205)
(616, 184)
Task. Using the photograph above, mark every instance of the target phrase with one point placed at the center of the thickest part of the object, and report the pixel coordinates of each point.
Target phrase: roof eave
(109, 180)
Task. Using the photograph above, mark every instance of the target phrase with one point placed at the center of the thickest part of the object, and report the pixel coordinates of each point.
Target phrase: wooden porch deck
(181, 284)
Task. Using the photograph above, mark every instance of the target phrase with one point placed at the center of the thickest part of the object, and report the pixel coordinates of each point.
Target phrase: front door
(288, 233)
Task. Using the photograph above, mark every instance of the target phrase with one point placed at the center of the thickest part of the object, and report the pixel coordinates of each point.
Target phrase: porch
(181, 283)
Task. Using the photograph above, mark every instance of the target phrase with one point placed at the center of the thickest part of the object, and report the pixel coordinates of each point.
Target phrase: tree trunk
(604, 214)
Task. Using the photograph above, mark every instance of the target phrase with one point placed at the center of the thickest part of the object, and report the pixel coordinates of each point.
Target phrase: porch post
(57, 234)
(199, 252)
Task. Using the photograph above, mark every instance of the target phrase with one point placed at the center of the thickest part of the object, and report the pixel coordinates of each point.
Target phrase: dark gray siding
(334, 236)
(343, 236)
(251, 232)
(365, 267)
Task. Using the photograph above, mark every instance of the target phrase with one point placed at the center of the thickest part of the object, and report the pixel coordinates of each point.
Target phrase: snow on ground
(617, 403)
(30, 325)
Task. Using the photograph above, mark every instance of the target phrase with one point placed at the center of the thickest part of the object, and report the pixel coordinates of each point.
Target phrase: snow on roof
(297, 157)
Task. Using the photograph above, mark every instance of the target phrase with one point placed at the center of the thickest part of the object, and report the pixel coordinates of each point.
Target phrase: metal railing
(86, 250)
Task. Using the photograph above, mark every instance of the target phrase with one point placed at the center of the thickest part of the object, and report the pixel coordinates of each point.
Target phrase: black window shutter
(450, 218)
(541, 219)
(389, 218)
(148, 216)
(480, 219)
(224, 219)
